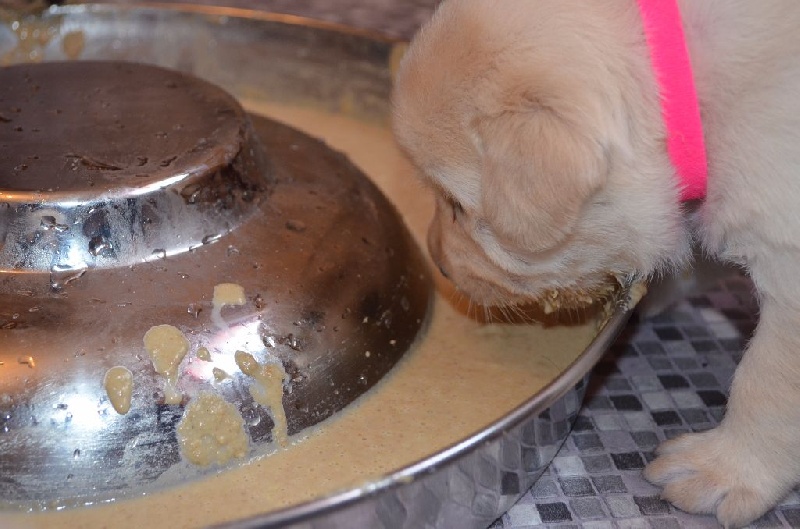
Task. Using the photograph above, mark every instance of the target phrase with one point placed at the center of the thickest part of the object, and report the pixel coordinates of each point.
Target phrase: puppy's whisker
(504, 312)
(470, 308)
(572, 314)
(456, 296)
(519, 314)
(512, 312)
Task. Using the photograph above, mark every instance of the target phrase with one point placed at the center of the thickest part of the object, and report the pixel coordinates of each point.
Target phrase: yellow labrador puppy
(538, 124)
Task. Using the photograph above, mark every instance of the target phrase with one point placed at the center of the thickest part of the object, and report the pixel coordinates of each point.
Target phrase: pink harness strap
(665, 38)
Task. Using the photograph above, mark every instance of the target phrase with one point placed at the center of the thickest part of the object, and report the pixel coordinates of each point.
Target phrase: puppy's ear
(538, 171)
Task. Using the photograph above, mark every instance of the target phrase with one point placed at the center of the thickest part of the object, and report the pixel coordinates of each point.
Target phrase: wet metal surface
(336, 291)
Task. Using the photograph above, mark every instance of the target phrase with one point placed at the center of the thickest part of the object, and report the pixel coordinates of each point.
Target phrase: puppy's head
(530, 121)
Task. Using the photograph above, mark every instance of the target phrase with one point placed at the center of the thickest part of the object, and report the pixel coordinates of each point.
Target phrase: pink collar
(664, 32)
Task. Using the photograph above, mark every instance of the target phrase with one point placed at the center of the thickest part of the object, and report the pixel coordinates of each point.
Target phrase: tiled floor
(665, 376)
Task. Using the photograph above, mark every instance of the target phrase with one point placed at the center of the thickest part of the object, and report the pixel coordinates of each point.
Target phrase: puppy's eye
(456, 206)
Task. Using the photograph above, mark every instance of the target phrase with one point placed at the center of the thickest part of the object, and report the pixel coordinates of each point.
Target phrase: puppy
(538, 125)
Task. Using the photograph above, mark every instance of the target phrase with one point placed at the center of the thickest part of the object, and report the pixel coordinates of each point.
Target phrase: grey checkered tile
(665, 376)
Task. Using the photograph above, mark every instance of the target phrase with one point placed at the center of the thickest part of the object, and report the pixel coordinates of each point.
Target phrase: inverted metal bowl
(127, 192)
(467, 485)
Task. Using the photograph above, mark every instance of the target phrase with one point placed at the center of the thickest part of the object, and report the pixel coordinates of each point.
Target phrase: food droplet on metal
(212, 431)
(225, 294)
(118, 383)
(203, 354)
(267, 391)
(167, 346)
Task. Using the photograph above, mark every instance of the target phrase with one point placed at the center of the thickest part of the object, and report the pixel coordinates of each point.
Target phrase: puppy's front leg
(745, 466)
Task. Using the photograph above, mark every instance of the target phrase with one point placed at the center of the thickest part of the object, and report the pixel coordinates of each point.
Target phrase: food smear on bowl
(212, 431)
(225, 294)
(219, 374)
(460, 377)
(167, 347)
(267, 391)
(203, 354)
(119, 388)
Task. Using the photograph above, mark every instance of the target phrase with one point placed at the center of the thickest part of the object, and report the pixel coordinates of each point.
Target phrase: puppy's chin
(575, 296)
(481, 281)
(521, 301)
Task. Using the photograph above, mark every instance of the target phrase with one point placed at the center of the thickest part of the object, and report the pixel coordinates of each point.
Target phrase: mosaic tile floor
(664, 376)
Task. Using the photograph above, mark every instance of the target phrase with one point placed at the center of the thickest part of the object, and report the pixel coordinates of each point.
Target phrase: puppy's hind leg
(742, 468)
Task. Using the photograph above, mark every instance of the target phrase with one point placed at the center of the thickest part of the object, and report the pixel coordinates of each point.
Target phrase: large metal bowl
(470, 483)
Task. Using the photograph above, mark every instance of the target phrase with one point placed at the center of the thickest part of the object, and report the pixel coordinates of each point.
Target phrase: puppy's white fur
(538, 124)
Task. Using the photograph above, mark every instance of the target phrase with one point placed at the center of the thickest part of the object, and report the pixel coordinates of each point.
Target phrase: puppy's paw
(711, 473)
